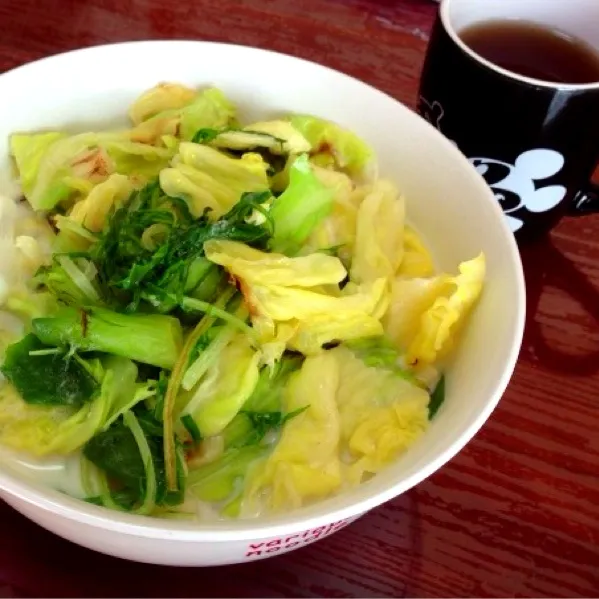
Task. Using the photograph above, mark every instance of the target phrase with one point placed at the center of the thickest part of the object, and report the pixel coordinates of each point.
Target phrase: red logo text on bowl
(289, 542)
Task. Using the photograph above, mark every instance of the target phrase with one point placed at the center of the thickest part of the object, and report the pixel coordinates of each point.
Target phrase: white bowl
(447, 201)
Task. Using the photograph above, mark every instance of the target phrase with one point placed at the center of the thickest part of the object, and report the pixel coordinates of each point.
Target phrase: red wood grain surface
(516, 513)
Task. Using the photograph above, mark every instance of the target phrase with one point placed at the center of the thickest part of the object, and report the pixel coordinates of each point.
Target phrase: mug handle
(585, 201)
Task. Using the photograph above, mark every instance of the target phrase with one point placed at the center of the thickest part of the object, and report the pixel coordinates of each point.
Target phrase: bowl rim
(51, 500)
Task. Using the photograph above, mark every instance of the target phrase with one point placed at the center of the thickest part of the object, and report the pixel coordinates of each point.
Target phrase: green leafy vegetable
(437, 398)
(300, 208)
(128, 272)
(264, 422)
(337, 146)
(52, 379)
(149, 338)
(61, 429)
(123, 455)
(205, 135)
(265, 399)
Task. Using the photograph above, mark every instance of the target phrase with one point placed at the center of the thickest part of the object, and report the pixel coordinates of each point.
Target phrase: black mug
(536, 143)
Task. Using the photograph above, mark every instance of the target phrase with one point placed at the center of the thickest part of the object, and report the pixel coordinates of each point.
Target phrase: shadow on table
(545, 266)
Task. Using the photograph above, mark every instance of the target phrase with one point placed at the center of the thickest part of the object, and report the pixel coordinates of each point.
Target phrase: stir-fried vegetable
(47, 375)
(224, 313)
(147, 338)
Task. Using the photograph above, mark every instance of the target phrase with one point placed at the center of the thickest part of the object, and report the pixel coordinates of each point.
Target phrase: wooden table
(517, 512)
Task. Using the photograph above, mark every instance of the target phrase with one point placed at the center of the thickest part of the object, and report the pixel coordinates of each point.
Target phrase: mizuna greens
(215, 315)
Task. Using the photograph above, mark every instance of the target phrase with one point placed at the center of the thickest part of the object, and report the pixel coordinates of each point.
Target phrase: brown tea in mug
(534, 51)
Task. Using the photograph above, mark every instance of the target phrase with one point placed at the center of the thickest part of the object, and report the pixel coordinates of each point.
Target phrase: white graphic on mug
(515, 186)
(432, 111)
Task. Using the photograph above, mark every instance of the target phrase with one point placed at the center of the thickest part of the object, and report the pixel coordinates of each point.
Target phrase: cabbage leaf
(305, 463)
(304, 204)
(335, 145)
(206, 178)
(106, 197)
(426, 314)
(170, 111)
(378, 248)
(220, 395)
(381, 413)
(61, 429)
